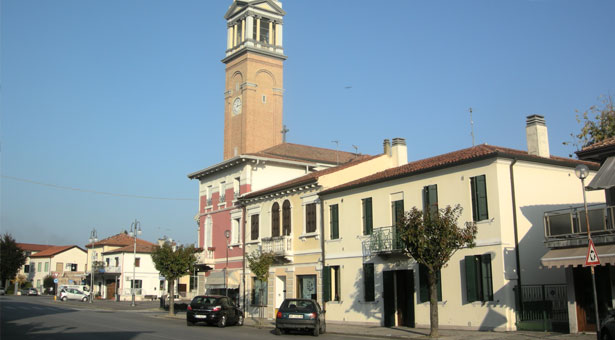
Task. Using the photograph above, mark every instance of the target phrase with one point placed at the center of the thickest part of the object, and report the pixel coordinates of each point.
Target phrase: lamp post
(93, 239)
(135, 230)
(227, 234)
(582, 171)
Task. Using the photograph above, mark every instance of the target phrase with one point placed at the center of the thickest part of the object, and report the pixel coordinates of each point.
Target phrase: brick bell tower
(254, 68)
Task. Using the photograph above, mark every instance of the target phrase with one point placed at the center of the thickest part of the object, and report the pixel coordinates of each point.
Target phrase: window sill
(335, 240)
(232, 245)
(303, 237)
(252, 242)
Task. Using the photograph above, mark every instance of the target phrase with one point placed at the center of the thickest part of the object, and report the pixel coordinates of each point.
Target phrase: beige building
(66, 263)
(286, 219)
(505, 192)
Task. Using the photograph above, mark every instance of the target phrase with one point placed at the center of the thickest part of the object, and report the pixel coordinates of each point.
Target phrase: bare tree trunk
(171, 292)
(433, 304)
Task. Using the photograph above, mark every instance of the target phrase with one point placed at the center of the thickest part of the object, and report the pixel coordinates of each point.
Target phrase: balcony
(568, 227)
(279, 245)
(383, 241)
(111, 269)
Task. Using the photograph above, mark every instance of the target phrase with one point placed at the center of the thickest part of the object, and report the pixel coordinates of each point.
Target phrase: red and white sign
(592, 255)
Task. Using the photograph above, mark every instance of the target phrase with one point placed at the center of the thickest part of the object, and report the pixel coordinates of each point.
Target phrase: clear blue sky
(126, 97)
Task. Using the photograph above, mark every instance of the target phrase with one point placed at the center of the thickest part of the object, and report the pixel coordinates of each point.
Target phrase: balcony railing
(111, 269)
(279, 245)
(571, 222)
(383, 240)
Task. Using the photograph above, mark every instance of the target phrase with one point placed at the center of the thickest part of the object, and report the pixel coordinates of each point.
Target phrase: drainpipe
(322, 250)
(517, 257)
(243, 274)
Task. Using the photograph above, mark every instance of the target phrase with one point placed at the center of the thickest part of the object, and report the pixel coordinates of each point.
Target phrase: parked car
(73, 294)
(2, 291)
(300, 314)
(607, 331)
(213, 309)
(30, 291)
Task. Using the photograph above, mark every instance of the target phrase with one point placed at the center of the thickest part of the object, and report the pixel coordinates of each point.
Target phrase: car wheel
(84, 299)
(277, 331)
(189, 324)
(316, 330)
(63, 299)
(240, 321)
(222, 321)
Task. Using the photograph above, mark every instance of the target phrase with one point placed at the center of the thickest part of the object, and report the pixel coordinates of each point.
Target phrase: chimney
(537, 136)
(387, 147)
(399, 152)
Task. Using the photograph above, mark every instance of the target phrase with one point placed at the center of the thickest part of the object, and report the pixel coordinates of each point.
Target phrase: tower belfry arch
(254, 77)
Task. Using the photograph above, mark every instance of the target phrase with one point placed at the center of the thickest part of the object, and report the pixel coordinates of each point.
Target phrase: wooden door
(110, 290)
(405, 297)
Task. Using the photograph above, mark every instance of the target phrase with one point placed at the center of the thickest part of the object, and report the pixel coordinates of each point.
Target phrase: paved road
(28, 317)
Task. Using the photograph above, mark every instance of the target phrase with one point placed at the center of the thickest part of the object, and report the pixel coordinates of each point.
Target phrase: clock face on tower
(237, 106)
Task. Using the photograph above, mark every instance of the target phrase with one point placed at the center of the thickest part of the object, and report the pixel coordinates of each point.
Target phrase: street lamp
(227, 234)
(135, 230)
(93, 239)
(582, 171)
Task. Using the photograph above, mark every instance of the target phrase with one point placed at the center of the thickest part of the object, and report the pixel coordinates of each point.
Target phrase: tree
(11, 258)
(598, 122)
(173, 262)
(48, 282)
(431, 238)
(259, 264)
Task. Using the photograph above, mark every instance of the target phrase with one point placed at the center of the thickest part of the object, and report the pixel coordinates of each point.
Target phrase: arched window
(286, 218)
(275, 220)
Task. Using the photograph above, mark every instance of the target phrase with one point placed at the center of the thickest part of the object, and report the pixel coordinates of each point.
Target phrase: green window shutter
(423, 282)
(326, 283)
(471, 281)
(478, 185)
(368, 280)
(367, 216)
(398, 211)
(334, 220)
(430, 199)
(486, 281)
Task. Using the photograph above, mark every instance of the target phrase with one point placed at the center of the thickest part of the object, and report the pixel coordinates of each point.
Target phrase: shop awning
(605, 177)
(216, 279)
(576, 256)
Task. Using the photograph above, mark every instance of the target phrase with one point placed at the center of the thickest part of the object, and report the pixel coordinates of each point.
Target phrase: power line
(96, 192)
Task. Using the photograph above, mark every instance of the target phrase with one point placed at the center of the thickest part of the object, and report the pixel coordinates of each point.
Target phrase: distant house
(114, 261)
(30, 249)
(66, 263)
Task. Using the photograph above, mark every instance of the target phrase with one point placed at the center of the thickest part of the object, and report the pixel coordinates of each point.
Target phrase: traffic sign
(592, 255)
(55, 280)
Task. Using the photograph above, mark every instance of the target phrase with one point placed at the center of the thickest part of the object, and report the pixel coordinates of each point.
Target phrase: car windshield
(301, 306)
(206, 300)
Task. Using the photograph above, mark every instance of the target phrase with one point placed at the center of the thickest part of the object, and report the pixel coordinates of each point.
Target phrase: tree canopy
(11, 258)
(597, 122)
(173, 262)
(431, 239)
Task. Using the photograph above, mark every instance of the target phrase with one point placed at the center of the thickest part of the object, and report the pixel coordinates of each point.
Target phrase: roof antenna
(356, 149)
(337, 146)
(471, 127)
(284, 132)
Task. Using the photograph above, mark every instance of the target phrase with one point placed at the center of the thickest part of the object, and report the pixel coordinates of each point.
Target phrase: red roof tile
(307, 153)
(141, 248)
(599, 145)
(121, 239)
(33, 246)
(309, 178)
(54, 250)
(472, 154)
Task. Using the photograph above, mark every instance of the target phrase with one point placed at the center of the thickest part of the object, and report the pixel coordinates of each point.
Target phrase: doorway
(111, 288)
(307, 287)
(280, 291)
(398, 295)
(584, 296)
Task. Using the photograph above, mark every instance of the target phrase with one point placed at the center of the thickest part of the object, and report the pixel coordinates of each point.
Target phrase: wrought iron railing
(384, 240)
(279, 245)
(571, 222)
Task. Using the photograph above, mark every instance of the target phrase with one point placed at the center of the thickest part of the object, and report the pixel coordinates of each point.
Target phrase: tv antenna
(471, 127)
(356, 149)
(337, 146)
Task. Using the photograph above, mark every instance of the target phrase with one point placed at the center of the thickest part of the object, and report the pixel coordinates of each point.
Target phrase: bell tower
(254, 69)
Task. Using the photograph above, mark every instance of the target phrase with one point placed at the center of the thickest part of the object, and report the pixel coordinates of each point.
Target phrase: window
(331, 283)
(107, 260)
(424, 283)
(368, 223)
(479, 285)
(254, 227)
(237, 186)
(368, 282)
(46, 266)
(222, 193)
(235, 231)
(117, 261)
(26, 268)
(307, 287)
(275, 220)
(264, 98)
(194, 282)
(310, 218)
(38, 266)
(73, 267)
(208, 195)
(286, 218)
(430, 199)
(479, 198)
(137, 284)
(137, 262)
(259, 292)
(264, 37)
(334, 221)
(397, 208)
(208, 232)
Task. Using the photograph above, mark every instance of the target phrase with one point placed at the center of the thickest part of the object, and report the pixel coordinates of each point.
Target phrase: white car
(73, 294)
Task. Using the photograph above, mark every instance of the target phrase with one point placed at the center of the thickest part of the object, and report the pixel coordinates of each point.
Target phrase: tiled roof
(121, 239)
(54, 250)
(599, 145)
(141, 248)
(472, 154)
(308, 153)
(309, 178)
(33, 246)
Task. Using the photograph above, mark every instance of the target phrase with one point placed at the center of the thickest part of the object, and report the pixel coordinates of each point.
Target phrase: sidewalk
(153, 307)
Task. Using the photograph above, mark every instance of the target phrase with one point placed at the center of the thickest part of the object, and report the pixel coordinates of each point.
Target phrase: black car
(213, 309)
(607, 331)
(300, 314)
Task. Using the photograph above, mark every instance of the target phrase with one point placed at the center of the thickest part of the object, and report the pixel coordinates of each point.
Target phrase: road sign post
(592, 258)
